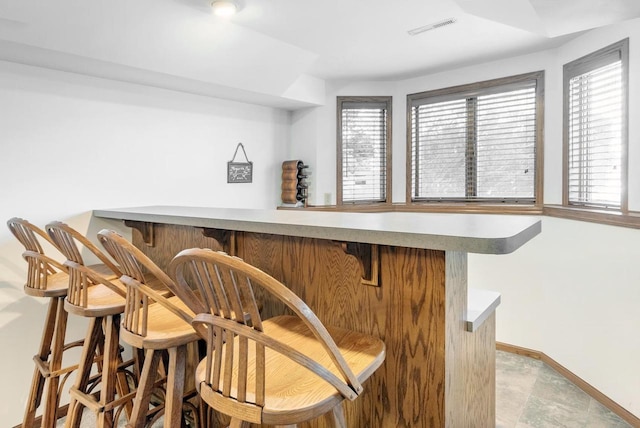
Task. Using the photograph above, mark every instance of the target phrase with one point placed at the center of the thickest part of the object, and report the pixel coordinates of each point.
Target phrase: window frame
(388, 101)
(474, 90)
(574, 68)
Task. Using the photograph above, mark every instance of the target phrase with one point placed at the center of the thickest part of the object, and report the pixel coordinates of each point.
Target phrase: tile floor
(529, 394)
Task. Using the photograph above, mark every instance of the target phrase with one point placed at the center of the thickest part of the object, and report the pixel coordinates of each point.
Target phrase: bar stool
(281, 371)
(101, 299)
(46, 278)
(156, 324)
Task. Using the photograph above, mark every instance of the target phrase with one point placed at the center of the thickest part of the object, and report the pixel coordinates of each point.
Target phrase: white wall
(313, 136)
(70, 144)
(573, 292)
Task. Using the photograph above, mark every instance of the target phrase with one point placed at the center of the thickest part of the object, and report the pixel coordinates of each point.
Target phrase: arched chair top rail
(66, 239)
(133, 264)
(208, 263)
(26, 232)
(42, 268)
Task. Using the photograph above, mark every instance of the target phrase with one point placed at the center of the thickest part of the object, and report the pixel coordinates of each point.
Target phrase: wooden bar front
(436, 374)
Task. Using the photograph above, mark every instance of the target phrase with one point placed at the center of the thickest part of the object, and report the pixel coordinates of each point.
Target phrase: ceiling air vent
(430, 27)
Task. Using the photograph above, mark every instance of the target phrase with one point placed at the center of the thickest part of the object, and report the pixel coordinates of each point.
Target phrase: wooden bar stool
(281, 371)
(101, 299)
(46, 278)
(156, 324)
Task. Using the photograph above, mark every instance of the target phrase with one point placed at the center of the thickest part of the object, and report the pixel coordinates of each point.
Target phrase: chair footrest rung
(43, 366)
(88, 400)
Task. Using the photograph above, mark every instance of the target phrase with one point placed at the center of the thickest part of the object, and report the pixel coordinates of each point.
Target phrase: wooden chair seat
(98, 295)
(281, 371)
(46, 278)
(158, 324)
(57, 285)
(102, 300)
(362, 353)
(164, 328)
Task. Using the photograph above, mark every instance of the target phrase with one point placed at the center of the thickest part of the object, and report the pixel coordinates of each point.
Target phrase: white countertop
(480, 305)
(474, 233)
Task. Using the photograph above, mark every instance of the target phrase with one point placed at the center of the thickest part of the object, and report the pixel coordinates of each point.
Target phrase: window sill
(433, 208)
(471, 208)
(630, 219)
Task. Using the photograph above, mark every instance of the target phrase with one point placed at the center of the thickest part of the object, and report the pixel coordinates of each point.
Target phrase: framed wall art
(239, 172)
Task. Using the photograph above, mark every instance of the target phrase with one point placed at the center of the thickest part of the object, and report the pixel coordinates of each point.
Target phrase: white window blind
(594, 129)
(363, 146)
(477, 144)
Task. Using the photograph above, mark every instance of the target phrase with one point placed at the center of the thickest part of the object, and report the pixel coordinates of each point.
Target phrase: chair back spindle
(39, 266)
(237, 368)
(81, 277)
(134, 264)
(159, 324)
(136, 303)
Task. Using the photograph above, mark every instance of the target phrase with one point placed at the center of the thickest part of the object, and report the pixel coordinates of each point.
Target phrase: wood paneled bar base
(399, 276)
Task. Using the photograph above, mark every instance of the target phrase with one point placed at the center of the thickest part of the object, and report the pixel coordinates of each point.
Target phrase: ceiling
(368, 38)
(280, 52)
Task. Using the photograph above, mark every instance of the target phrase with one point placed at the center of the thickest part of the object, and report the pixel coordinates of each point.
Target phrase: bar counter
(399, 276)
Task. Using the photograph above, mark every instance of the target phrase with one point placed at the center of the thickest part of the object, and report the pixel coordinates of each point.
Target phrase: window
(477, 143)
(595, 129)
(364, 150)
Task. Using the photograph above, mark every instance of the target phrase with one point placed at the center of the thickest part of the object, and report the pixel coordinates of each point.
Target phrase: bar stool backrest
(236, 366)
(134, 264)
(40, 266)
(81, 277)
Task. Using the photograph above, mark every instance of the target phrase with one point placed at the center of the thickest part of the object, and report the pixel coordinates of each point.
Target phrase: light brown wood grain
(285, 370)
(155, 322)
(170, 240)
(46, 278)
(433, 367)
(266, 253)
(469, 357)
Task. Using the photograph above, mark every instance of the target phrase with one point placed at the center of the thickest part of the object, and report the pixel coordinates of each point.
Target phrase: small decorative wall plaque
(239, 172)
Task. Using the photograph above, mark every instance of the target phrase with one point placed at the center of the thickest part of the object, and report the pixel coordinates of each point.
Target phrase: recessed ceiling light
(431, 26)
(224, 7)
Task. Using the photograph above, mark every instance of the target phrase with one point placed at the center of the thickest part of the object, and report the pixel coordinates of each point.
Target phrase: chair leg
(122, 385)
(138, 361)
(337, 416)
(237, 423)
(175, 387)
(109, 370)
(38, 380)
(35, 393)
(50, 411)
(94, 333)
(145, 387)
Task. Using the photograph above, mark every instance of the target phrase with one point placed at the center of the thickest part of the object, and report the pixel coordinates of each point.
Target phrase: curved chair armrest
(273, 287)
(294, 355)
(300, 308)
(95, 277)
(33, 254)
(157, 297)
(121, 249)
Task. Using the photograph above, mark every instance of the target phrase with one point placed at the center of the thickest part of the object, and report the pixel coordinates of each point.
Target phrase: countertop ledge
(480, 305)
(473, 233)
